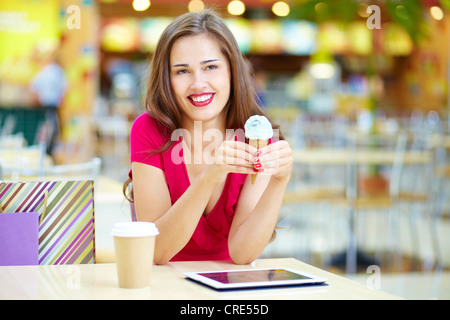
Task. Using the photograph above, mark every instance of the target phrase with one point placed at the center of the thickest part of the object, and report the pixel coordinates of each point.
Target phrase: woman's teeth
(201, 98)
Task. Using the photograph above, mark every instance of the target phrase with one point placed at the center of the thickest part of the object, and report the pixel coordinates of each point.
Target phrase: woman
(205, 209)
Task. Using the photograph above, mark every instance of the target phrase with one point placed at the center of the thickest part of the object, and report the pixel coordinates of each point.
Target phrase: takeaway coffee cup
(134, 244)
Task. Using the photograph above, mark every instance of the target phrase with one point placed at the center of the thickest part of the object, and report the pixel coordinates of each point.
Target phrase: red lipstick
(201, 99)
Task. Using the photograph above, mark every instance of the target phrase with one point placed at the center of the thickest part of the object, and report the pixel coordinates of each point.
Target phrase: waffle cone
(258, 144)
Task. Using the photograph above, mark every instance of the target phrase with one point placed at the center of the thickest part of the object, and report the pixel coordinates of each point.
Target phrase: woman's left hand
(275, 159)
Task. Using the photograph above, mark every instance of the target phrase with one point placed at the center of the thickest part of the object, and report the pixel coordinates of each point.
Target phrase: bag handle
(45, 206)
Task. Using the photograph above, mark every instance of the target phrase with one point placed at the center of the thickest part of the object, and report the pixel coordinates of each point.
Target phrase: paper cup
(134, 244)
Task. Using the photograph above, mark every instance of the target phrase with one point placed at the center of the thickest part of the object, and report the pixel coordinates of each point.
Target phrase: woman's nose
(198, 81)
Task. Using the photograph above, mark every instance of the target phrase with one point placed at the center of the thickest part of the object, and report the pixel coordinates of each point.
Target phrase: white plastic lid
(134, 229)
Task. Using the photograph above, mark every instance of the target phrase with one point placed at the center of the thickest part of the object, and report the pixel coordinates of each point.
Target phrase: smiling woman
(206, 209)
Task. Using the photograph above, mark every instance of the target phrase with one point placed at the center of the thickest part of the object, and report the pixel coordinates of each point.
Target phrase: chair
(425, 193)
(15, 153)
(317, 181)
(381, 158)
(439, 191)
(317, 188)
(10, 145)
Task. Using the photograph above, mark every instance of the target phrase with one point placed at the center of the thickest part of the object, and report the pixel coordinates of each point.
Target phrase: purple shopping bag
(19, 240)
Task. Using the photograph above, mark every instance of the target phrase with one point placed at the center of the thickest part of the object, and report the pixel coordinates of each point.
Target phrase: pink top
(210, 238)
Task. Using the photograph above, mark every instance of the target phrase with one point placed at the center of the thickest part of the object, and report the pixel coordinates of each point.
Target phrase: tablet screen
(253, 276)
(249, 278)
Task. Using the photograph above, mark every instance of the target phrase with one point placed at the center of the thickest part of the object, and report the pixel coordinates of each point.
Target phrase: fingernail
(255, 170)
(261, 170)
(258, 165)
(258, 152)
(255, 160)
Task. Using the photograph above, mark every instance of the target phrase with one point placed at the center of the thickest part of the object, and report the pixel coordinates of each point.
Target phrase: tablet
(254, 278)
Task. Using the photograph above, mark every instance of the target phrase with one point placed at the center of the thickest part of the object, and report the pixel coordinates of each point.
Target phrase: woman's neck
(203, 138)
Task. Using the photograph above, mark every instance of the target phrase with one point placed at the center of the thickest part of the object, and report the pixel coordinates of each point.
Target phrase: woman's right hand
(231, 156)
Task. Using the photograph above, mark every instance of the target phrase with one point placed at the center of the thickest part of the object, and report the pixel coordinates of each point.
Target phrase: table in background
(99, 281)
(329, 156)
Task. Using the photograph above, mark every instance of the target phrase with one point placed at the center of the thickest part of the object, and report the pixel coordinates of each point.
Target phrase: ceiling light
(141, 5)
(196, 6)
(236, 7)
(437, 13)
(281, 9)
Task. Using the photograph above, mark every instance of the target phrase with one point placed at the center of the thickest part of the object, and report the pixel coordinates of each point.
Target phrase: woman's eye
(211, 67)
(181, 71)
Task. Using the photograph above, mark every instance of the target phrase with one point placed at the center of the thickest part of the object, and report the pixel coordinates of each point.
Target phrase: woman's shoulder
(146, 127)
(147, 123)
(145, 120)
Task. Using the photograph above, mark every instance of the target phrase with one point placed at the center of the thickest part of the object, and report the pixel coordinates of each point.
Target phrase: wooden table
(99, 281)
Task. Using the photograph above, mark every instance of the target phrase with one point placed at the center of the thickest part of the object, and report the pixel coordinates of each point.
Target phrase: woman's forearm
(178, 224)
(254, 233)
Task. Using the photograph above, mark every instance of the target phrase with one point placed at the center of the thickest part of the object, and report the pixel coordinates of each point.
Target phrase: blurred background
(360, 89)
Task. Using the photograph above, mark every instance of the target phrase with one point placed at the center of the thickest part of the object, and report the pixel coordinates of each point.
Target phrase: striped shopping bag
(66, 222)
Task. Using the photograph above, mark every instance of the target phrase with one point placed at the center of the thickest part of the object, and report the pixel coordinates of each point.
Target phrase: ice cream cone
(258, 130)
(258, 144)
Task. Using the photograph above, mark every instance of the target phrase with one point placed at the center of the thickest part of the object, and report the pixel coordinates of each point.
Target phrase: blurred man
(49, 87)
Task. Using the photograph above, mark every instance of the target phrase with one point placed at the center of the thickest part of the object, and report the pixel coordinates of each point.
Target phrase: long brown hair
(160, 102)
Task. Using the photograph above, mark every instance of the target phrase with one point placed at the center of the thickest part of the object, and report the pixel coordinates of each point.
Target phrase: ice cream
(258, 130)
